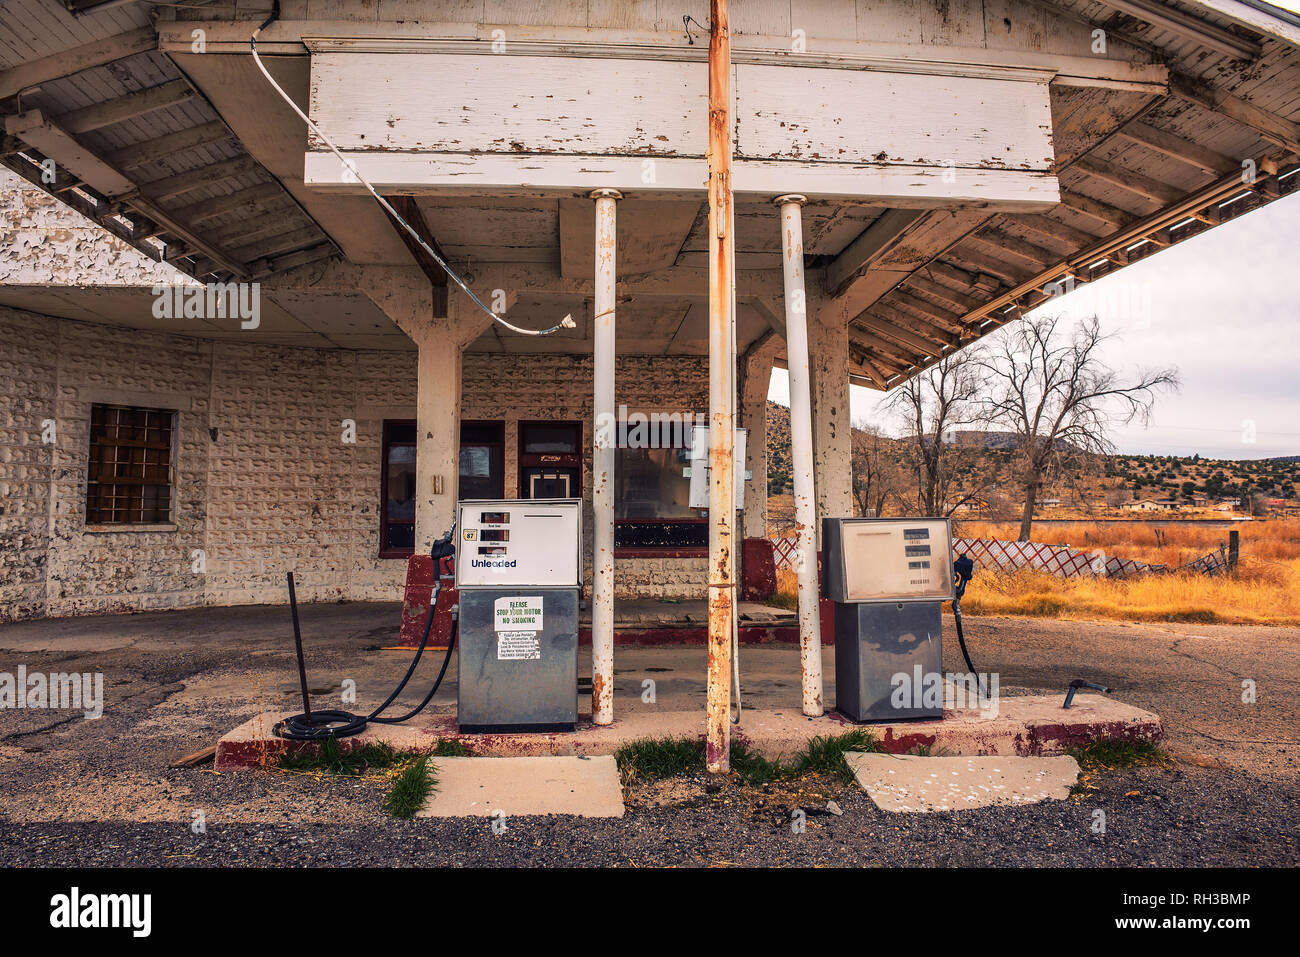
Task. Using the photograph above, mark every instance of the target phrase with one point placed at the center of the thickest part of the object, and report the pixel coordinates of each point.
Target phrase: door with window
(550, 459)
(482, 475)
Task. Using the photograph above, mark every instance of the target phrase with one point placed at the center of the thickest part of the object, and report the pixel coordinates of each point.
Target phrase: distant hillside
(1113, 478)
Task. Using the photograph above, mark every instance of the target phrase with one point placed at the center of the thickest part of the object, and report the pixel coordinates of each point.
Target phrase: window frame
(500, 426)
(655, 551)
(385, 445)
(173, 447)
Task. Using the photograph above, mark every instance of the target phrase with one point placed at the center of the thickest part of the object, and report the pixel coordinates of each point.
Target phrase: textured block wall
(265, 482)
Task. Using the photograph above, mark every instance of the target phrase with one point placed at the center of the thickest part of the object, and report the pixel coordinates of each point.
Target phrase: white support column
(604, 438)
(832, 434)
(801, 443)
(437, 441)
(756, 377)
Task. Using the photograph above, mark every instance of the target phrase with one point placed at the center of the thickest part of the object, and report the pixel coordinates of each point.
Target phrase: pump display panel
(888, 559)
(519, 543)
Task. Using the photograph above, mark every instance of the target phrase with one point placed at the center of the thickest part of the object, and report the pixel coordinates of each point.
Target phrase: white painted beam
(56, 143)
(913, 187)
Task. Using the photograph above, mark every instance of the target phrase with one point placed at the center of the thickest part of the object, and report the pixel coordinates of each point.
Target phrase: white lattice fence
(1055, 559)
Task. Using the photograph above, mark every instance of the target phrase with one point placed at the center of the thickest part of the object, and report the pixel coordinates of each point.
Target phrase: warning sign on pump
(517, 614)
(518, 646)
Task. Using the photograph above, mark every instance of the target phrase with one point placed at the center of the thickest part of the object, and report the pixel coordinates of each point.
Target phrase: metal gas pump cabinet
(518, 573)
(888, 578)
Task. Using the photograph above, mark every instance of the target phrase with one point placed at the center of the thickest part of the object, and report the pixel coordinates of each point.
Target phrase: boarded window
(129, 480)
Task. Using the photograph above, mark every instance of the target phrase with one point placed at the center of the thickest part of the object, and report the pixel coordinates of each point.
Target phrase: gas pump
(518, 575)
(888, 579)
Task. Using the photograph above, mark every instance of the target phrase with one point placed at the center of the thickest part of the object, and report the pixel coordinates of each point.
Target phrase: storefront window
(652, 508)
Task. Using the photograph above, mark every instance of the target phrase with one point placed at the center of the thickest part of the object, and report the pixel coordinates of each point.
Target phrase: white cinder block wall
(264, 482)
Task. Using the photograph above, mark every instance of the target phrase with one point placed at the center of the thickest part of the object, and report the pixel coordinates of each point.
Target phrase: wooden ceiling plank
(1178, 148)
(994, 267)
(217, 205)
(1046, 226)
(123, 108)
(1016, 246)
(1274, 128)
(960, 302)
(84, 57)
(892, 328)
(1098, 210)
(1130, 180)
(901, 356)
(142, 154)
(1203, 32)
(169, 187)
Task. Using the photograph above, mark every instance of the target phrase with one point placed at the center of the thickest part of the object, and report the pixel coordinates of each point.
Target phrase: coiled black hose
(342, 724)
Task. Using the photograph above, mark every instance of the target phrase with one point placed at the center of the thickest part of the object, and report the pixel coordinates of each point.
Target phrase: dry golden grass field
(1264, 590)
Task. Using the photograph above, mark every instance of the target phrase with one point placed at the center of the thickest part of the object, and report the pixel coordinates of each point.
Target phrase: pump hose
(961, 640)
(963, 571)
(343, 724)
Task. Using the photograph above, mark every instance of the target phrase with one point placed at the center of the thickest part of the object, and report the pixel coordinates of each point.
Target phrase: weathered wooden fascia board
(287, 37)
(898, 186)
(562, 106)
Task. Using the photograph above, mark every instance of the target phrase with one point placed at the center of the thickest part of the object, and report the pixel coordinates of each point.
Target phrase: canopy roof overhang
(193, 158)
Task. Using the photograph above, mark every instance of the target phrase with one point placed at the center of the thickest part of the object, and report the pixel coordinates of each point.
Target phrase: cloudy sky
(1224, 308)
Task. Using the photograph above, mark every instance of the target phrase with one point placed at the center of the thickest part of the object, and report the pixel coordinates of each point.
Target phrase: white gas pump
(518, 574)
(888, 578)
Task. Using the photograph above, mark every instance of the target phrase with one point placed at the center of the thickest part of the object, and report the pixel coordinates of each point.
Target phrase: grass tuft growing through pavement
(825, 754)
(652, 758)
(413, 777)
(411, 789)
(1113, 753)
(330, 758)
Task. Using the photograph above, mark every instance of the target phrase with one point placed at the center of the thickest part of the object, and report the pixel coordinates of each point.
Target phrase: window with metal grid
(130, 472)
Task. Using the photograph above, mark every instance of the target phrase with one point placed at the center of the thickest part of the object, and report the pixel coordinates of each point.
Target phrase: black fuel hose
(964, 569)
(343, 724)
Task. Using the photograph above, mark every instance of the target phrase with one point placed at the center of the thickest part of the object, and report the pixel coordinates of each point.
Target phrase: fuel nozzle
(444, 549)
(1078, 683)
(964, 570)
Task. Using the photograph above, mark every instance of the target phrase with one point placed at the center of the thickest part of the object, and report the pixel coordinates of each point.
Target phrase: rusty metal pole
(801, 452)
(722, 395)
(604, 441)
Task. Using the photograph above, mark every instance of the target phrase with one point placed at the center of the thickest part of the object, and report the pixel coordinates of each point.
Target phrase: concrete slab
(912, 784)
(481, 787)
(1021, 725)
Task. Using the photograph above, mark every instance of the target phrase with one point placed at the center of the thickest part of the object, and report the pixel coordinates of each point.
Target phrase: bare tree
(876, 474)
(1052, 389)
(943, 398)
